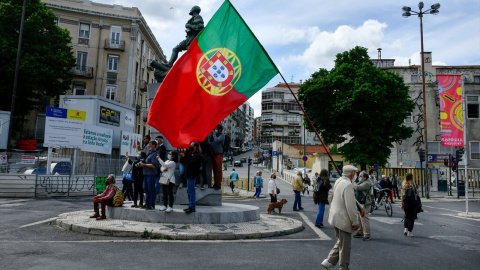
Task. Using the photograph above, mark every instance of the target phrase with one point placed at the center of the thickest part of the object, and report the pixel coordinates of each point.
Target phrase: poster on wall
(451, 115)
(63, 128)
(129, 119)
(109, 116)
(97, 139)
(131, 143)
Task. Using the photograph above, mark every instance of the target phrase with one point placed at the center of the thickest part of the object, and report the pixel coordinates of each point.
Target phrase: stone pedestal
(207, 197)
(227, 213)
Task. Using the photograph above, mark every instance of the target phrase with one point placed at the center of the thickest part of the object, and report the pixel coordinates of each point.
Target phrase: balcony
(149, 67)
(145, 116)
(83, 71)
(143, 86)
(114, 44)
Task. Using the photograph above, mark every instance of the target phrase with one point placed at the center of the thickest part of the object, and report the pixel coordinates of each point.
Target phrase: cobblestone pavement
(267, 226)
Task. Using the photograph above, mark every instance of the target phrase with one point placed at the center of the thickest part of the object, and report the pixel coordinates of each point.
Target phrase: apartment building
(113, 45)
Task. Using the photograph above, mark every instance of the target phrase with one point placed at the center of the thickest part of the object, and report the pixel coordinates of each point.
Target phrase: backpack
(317, 187)
(409, 197)
(118, 198)
(226, 144)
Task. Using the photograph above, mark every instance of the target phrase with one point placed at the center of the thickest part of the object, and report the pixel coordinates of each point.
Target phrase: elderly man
(343, 217)
(105, 198)
(363, 193)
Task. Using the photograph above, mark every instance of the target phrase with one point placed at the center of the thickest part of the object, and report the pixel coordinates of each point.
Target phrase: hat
(348, 169)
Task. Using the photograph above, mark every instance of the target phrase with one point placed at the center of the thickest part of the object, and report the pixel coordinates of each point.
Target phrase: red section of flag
(182, 110)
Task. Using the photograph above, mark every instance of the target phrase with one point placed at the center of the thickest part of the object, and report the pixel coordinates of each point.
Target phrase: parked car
(256, 161)
(238, 163)
(243, 160)
(225, 159)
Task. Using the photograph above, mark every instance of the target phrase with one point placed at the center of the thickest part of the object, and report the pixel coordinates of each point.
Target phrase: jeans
(409, 219)
(150, 190)
(257, 192)
(298, 200)
(157, 184)
(138, 191)
(191, 192)
(128, 190)
(168, 194)
(321, 211)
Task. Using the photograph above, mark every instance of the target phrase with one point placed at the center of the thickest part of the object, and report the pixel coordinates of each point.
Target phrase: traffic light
(454, 163)
(459, 154)
(421, 155)
(445, 162)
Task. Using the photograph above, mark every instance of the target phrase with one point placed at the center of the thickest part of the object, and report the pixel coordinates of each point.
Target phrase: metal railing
(113, 44)
(83, 71)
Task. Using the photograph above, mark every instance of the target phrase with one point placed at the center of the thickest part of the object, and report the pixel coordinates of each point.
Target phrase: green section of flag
(227, 29)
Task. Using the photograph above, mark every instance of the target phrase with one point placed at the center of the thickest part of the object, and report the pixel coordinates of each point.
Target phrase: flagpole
(465, 155)
(311, 124)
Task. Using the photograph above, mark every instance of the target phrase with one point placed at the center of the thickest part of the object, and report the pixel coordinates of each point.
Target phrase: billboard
(131, 143)
(451, 115)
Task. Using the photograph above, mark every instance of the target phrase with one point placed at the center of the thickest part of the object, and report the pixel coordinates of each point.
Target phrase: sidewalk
(267, 226)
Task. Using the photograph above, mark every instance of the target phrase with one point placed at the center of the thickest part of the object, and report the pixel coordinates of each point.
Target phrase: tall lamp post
(407, 13)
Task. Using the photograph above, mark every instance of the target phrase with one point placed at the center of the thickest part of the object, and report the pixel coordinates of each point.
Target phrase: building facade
(282, 118)
(113, 46)
(405, 153)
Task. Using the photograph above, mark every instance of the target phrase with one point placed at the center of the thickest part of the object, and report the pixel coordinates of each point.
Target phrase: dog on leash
(278, 205)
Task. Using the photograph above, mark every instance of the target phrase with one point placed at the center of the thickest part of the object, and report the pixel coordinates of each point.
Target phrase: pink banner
(451, 116)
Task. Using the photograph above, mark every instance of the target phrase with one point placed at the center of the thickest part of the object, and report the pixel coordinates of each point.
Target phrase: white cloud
(326, 45)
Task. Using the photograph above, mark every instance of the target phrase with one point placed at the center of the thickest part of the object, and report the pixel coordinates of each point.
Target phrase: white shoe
(163, 208)
(327, 264)
(405, 232)
(410, 234)
(169, 209)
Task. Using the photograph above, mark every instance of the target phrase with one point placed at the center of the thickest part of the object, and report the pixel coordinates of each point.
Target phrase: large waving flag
(223, 67)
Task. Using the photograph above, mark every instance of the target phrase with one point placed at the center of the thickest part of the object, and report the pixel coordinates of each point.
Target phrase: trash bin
(461, 188)
(442, 185)
(100, 183)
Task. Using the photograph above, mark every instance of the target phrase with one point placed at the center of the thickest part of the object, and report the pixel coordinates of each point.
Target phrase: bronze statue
(193, 27)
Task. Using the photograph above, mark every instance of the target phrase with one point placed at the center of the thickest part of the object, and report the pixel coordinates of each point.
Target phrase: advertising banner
(131, 143)
(109, 116)
(97, 139)
(451, 116)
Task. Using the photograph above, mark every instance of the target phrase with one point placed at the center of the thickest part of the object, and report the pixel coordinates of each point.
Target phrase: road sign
(3, 159)
(275, 153)
(305, 158)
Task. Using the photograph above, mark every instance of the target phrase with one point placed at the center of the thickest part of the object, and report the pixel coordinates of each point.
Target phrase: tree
(359, 105)
(46, 58)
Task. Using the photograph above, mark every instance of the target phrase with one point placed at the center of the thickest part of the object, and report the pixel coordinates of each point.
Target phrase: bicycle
(384, 201)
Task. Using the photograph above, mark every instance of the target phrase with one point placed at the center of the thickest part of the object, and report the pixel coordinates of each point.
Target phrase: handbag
(127, 167)
(164, 180)
(278, 190)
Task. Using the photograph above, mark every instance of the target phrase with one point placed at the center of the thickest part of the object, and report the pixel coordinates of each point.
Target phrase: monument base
(227, 213)
(207, 197)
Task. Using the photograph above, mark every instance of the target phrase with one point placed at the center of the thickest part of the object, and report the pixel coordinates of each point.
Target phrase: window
(84, 30)
(476, 79)
(414, 78)
(115, 36)
(111, 92)
(82, 61)
(113, 63)
(472, 107)
(79, 88)
(475, 150)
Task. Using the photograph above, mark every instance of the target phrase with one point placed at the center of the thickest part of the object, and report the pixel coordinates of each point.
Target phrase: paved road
(442, 241)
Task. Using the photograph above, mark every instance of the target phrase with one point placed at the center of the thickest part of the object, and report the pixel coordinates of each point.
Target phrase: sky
(303, 36)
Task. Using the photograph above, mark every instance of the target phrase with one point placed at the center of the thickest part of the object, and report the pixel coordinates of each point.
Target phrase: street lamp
(407, 13)
(401, 157)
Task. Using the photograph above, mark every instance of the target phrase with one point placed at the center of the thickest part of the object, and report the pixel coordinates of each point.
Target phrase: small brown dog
(278, 205)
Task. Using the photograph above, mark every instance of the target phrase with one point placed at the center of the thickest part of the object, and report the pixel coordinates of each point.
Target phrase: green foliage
(358, 101)
(46, 57)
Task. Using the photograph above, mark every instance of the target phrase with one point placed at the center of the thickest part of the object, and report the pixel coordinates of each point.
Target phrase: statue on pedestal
(193, 27)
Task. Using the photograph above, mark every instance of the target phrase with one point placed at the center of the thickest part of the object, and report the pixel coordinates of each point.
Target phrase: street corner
(266, 226)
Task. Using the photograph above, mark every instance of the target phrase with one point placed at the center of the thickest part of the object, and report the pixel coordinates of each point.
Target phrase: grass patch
(146, 233)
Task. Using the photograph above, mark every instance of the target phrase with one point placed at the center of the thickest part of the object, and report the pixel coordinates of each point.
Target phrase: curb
(267, 226)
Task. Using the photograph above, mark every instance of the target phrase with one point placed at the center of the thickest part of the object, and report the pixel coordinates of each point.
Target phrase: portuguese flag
(223, 67)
